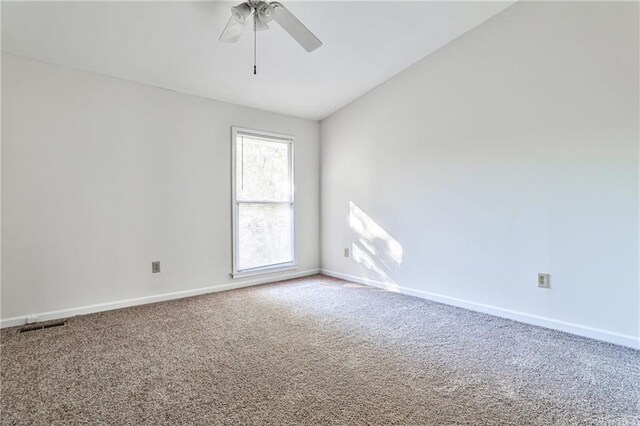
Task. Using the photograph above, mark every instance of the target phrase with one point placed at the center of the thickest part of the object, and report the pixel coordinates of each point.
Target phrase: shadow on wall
(377, 254)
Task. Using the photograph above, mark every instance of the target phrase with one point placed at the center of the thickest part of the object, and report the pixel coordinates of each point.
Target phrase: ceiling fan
(262, 13)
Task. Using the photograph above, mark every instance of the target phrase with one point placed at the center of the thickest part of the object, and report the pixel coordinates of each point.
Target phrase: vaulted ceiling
(174, 45)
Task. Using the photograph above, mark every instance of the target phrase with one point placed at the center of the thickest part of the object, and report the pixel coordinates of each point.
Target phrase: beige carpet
(312, 351)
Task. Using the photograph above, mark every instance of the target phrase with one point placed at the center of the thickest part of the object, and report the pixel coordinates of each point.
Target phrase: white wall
(511, 151)
(102, 176)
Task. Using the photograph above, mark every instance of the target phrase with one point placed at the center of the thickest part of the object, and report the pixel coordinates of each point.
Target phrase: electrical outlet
(543, 280)
(155, 267)
(346, 252)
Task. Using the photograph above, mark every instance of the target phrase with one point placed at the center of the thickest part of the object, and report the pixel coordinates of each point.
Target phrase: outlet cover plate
(544, 280)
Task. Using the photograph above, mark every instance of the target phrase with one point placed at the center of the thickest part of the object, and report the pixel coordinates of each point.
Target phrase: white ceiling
(175, 45)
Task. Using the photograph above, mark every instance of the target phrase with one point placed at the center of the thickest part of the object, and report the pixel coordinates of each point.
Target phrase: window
(263, 202)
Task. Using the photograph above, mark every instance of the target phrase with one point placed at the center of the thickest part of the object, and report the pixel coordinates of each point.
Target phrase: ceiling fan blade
(232, 31)
(294, 27)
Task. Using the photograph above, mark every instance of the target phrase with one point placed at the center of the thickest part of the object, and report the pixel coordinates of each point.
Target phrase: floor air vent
(35, 327)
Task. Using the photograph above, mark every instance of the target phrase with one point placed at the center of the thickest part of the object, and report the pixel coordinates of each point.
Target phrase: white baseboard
(108, 306)
(580, 330)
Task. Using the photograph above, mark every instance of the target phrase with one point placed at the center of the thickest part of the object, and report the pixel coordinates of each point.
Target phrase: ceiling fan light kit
(264, 12)
(241, 12)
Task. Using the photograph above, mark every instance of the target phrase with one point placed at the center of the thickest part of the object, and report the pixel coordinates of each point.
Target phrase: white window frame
(271, 137)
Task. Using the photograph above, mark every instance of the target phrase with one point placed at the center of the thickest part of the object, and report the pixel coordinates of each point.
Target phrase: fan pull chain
(254, 44)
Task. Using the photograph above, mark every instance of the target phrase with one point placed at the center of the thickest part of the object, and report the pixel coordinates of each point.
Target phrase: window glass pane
(262, 170)
(264, 235)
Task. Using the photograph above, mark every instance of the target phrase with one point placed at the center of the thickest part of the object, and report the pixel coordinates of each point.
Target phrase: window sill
(265, 270)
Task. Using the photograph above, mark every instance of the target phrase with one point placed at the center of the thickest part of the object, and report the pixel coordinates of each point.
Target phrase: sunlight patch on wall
(373, 236)
(374, 250)
(368, 265)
